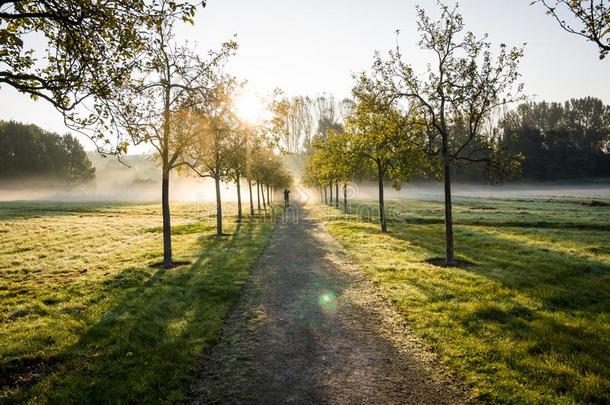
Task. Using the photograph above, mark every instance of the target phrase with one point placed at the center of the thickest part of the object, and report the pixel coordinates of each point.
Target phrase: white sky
(310, 47)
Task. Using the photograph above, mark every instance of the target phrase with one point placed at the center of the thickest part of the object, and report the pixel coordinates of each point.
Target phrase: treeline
(560, 141)
(298, 120)
(28, 151)
(554, 141)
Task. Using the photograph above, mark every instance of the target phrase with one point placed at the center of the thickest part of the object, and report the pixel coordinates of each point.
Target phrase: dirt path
(311, 328)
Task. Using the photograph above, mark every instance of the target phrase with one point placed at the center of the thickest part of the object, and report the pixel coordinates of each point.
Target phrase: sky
(311, 47)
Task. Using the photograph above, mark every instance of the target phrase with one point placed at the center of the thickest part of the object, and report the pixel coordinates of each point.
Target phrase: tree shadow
(467, 214)
(562, 281)
(23, 210)
(548, 308)
(147, 347)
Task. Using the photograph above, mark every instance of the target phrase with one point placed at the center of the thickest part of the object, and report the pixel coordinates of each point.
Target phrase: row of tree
(403, 125)
(27, 151)
(117, 74)
(183, 106)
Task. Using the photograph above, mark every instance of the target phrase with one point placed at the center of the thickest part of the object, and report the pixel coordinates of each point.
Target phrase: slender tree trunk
(238, 184)
(450, 260)
(258, 196)
(380, 174)
(325, 196)
(345, 197)
(331, 193)
(263, 195)
(268, 196)
(337, 194)
(218, 208)
(448, 214)
(167, 227)
(251, 199)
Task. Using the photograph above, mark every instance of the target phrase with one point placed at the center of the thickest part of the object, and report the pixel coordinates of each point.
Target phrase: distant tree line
(298, 120)
(29, 151)
(555, 141)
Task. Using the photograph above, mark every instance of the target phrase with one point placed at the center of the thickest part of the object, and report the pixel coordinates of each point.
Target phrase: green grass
(529, 322)
(85, 317)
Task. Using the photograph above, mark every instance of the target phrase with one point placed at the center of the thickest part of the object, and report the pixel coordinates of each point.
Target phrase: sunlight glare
(250, 107)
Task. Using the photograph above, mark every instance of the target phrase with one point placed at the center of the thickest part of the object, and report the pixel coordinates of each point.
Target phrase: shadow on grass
(540, 313)
(562, 281)
(397, 214)
(21, 210)
(147, 347)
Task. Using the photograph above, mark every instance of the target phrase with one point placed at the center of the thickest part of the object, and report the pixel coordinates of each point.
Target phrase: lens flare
(327, 302)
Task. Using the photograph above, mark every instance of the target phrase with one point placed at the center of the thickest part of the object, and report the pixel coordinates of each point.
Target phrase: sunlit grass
(530, 321)
(87, 317)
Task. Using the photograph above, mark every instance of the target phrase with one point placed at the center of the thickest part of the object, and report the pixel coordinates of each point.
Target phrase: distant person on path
(286, 197)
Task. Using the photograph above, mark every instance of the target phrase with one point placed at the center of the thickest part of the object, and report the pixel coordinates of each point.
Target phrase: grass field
(529, 321)
(87, 317)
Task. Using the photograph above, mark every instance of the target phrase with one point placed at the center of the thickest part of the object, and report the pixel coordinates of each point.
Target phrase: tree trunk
(448, 215)
(258, 196)
(325, 196)
(167, 227)
(331, 193)
(218, 208)
(380, 174)
(263, 195)
(238, 184)
(345, 197)
(268, 196)
(337, 194)
(251, 198)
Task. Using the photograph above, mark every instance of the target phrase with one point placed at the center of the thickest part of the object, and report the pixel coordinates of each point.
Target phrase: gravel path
(311, 328)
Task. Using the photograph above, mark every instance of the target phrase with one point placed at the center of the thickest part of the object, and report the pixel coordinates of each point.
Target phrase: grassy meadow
(529, 320)
(88, 316)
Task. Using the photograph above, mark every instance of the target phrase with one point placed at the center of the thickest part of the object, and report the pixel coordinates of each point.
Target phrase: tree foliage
(560, 141)
(90, 46)
(27, 151)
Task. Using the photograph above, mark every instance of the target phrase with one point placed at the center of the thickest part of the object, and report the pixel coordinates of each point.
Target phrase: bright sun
(250, 107)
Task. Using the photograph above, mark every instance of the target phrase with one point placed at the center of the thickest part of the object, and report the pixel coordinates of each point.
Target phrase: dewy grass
(86, 317)
(529, 322)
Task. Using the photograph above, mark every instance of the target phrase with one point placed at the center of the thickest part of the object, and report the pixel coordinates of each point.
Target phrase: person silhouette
(286, 197)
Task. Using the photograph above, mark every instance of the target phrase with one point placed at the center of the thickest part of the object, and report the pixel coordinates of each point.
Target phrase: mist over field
(137, 179)
(434, 190)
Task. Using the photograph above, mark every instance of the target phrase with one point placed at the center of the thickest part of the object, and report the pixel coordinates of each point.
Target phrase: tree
(292, 122)
(79, 169)
(213, 150)
(254, 146)
(91, 46)
(238, 161)
(384, 141)
(328, 115)
(339, 157)
(592, 18)
(331, 159)
(156, 107)
(463, 86)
